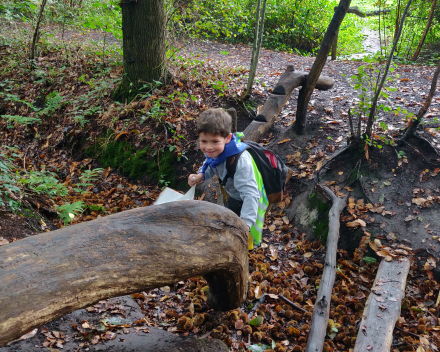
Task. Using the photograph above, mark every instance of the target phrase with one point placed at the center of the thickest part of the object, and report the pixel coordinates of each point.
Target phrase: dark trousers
(234, 205)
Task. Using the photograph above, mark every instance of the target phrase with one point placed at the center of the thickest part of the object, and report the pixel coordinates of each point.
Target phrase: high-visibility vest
(257, 229)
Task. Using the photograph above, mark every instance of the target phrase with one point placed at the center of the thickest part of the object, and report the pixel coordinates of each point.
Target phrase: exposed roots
(419, 153)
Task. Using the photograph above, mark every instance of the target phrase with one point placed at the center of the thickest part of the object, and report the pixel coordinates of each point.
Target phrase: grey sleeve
(208, 173)
(246, 184)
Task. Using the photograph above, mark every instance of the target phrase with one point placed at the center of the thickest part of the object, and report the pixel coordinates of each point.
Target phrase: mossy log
(288, 81)
(318, 326)
(46, 276)
(383, 306)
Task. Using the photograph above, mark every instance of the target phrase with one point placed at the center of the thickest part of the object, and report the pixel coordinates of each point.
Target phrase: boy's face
(213, 145)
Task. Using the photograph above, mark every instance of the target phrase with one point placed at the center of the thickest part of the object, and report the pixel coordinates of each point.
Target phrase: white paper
(170, 195)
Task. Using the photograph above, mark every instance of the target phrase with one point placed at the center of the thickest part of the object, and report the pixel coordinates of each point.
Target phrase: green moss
(136, 164)
(320, 225)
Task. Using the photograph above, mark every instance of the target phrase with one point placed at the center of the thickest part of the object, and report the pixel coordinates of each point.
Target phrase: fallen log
(383, 306)
(288, 81)
(318, 326)
(46, 276)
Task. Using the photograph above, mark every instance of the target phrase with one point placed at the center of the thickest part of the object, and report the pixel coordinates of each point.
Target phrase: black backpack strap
(231, 167)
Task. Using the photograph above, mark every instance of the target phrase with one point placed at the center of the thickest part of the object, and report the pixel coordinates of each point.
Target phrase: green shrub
(289, 25)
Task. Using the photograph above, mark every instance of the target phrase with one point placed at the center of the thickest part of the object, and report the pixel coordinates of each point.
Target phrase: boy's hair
(215, 122)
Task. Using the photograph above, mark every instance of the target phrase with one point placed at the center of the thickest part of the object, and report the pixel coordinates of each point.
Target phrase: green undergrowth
(290, 25)
(156, 165)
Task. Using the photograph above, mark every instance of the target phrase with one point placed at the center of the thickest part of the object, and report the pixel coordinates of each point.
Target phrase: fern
(86, 178)
(21, 120)
(68, 211)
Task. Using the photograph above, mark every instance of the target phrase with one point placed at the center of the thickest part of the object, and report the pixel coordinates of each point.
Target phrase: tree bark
(37, 30)
(49, 275)
(416, 121)
(143, 27)
(383, 306)
(335, 46)
(318, 326)
(371, 115)
(396, 29)
(425, 32)
(306, 91)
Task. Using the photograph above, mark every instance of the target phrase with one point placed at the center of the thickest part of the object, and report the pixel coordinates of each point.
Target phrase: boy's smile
(213, 145)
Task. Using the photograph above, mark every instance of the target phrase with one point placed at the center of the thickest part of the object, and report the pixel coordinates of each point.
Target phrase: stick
(294, 305)
(318, 326)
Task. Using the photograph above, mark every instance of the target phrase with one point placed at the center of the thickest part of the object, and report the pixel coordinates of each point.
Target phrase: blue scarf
(235, 146)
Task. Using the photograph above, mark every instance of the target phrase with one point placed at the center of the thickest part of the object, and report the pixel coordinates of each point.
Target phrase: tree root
(419, 153)
(338, 153)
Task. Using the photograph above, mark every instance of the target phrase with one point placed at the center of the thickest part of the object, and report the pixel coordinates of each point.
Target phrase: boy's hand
(195, 179)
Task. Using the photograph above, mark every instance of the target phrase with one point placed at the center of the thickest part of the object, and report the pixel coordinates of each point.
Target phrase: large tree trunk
(306, 91)
(46, 276)
(143, 28)
(425, 32)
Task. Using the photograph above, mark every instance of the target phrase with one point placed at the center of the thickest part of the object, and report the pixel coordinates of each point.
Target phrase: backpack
(272, 169)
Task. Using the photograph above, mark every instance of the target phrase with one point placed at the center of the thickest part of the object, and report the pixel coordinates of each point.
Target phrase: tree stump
(46, 276)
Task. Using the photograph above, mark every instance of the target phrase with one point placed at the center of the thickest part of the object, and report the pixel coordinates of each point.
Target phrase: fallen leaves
(356, 223)
(3, 241)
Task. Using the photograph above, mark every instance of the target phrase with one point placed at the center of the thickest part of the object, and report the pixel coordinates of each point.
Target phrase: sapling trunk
(259, 31)
(385, 74)
(425, 32)
(416, 121)
(37, 30)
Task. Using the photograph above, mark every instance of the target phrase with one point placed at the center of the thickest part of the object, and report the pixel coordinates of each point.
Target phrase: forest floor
(394, 205)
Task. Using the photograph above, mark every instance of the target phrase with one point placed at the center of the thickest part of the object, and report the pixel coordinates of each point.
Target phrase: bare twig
(294, 305)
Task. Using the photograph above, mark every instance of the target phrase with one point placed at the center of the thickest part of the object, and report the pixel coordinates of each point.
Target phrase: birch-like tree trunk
(37, 30)
(259, 32)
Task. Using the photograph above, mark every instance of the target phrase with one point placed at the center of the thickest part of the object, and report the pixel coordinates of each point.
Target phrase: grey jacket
(242, 187)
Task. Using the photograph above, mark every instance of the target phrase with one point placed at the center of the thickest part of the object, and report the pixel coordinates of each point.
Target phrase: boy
(247, 197)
